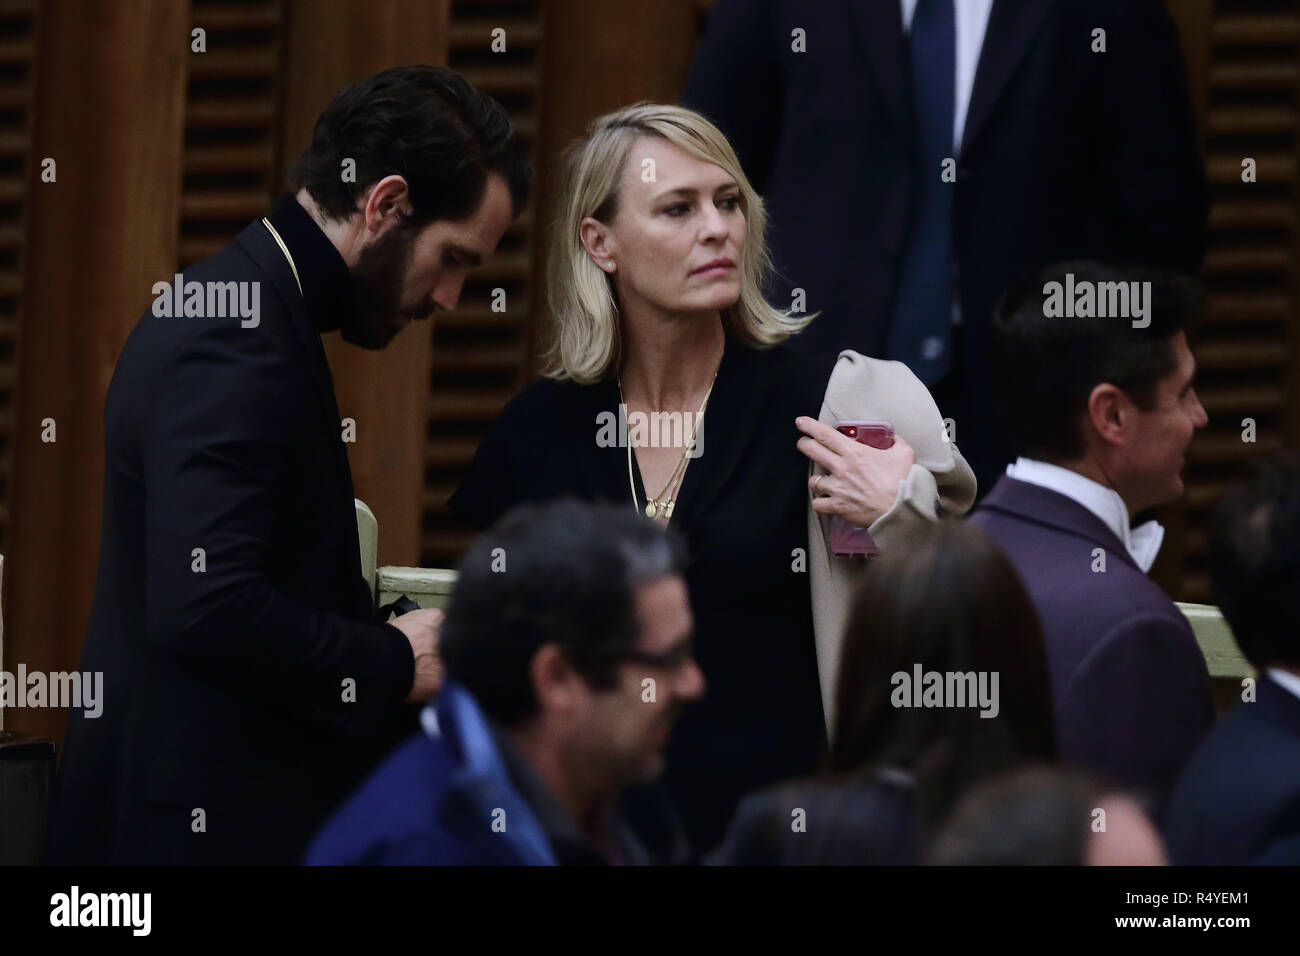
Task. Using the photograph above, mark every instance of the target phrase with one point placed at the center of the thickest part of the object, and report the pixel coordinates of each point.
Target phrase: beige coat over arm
(868, 389)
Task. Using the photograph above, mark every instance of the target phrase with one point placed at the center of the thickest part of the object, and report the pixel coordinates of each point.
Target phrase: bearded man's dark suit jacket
(1065, 154)
(225, 684)
(1129, 682)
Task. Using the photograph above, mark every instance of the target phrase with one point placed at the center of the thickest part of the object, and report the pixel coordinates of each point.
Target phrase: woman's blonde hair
(585, 339)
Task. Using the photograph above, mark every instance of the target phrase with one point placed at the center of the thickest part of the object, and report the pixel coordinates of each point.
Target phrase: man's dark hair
(564, 573)
(1035, 816)
(425, 123)
(1255, 561)
(1046, 366)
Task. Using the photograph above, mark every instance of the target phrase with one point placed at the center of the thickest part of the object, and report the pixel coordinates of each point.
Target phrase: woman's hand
(862, 483)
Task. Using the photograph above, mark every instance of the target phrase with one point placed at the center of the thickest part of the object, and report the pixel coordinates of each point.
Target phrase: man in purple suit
(1099, 403)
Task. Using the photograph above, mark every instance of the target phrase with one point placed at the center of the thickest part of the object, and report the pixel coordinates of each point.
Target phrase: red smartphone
(850, 541)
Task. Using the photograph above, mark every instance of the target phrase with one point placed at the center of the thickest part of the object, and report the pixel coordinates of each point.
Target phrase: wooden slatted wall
(17, 52)
(232, 118)
(480, 357)
(1246, 352)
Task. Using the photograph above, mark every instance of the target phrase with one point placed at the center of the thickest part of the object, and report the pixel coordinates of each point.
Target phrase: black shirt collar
(570, 845)
(326, 282)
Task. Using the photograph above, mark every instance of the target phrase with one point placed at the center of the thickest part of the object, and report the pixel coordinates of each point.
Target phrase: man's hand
(421, 629)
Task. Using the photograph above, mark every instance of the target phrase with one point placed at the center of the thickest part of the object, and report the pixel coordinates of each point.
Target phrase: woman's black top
(742, 511)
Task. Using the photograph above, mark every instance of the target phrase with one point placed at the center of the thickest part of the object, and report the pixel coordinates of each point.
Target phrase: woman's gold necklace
(661, 506)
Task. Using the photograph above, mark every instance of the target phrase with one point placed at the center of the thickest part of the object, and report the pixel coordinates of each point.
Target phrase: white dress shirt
(1285, 679)
(1142, 543)
(972, 19)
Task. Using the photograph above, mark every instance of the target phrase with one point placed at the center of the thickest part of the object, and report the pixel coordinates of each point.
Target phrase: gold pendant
(668, 512)
(651, 508)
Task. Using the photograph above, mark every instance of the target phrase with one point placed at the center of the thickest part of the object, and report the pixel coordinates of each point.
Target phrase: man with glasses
(567, 648)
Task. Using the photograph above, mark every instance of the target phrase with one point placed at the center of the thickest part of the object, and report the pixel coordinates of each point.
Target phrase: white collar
(1142, 543)
(1284, 679)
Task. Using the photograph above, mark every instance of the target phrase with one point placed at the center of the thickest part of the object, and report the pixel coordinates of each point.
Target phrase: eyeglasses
(670, 660)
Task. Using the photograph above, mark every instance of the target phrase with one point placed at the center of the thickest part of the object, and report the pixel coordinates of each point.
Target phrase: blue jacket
(435, 799)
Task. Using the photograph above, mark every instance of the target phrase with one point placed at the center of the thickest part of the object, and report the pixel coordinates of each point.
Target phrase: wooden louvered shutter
(17, 51)
(480, 357)
(1246, 351)
(231, 166)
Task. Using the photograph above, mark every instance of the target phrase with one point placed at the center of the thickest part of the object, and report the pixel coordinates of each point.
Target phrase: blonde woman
(666, 387)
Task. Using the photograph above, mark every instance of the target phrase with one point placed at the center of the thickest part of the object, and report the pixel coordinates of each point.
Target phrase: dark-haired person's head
(949, 608)
(1255, 561)
(414, 175)
(571, 626)
(1095, 374)
(1038, 816)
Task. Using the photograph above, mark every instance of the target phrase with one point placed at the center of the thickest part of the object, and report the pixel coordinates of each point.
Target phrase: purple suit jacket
(1129, 683)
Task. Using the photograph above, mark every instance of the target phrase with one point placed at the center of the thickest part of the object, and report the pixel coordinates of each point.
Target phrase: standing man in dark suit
(918, 155)
(247, 684)
(1238, 801)
(1101, 411)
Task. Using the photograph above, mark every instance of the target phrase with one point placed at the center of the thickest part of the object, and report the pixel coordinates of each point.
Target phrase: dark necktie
(921, 319)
